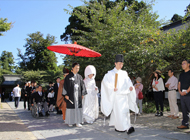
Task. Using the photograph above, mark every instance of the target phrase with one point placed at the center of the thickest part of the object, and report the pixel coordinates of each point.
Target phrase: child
(51, 99)
(90, 106)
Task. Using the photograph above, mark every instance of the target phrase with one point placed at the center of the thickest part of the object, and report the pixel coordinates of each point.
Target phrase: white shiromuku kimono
(90, 101)
(118, 103)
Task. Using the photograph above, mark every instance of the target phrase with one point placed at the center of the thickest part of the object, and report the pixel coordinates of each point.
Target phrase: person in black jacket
(28, 90)
(184, 90)
(40, 100)
(55, 88)
(25, 95)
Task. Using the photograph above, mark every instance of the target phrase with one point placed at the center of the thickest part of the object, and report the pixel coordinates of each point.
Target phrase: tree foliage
(42, 77)
(4, 25)
(7, 61)
(6, 64)
(176, 17)
(187, 10)
(77, 23)
(116, 31)
(37, 56)
(136, 35)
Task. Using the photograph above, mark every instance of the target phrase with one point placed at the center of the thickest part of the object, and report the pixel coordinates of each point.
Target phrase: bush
(150, 107)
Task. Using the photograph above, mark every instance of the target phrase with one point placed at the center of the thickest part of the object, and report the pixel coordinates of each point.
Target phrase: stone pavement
(147, 127)
(11, 127)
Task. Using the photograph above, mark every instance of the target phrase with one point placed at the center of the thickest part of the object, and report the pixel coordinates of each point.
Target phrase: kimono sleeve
(65, 86)
(95, 87)
(131, 96)
(107, 95)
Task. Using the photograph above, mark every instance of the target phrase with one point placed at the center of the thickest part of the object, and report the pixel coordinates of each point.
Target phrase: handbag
(140, 95)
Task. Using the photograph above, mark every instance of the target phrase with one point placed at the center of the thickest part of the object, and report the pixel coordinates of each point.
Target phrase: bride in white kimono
(119, 99)
(90, 101)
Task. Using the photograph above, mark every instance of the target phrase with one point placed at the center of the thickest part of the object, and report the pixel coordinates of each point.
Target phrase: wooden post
(116, 76)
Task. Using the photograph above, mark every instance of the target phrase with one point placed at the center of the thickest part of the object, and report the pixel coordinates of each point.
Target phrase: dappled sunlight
(146, 127)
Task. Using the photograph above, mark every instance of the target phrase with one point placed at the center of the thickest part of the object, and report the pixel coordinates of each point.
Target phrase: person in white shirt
(51, 99)
(171, 84)
(17, 94)
(158, 88)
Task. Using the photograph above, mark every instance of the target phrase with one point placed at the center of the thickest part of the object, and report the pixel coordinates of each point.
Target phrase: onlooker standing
(184, 90)
(0, 98)
(50, 97)
(99, 98)
(49, 88)
(171, 84)
(25, 95)
(28, 89)
(60, 98)
(12, 96)
(139, 87)
(158, 88)
(17, 94)
(55, 88)
(33, 87)
(3, 96)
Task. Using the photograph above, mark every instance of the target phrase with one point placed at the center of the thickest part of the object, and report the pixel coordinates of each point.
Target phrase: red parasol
(74, 49)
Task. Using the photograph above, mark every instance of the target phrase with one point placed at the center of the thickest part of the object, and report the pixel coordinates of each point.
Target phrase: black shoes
(159, 114)
(131, 130)
(119, 131)
(47, 114)
(59, 112)
(40, 114)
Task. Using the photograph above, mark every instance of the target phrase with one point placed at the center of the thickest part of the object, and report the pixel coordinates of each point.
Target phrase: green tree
(176, 17)
(117, 31)
(138, 37)
(4, 25)
(113, 31)
(77, 23)
(37, 56)
(179, 49)
(31, 75)
(6, 64)
(41, 77)
(187, 10)
(7, 61)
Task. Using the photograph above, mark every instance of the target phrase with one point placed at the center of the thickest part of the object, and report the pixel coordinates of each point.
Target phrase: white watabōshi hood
(90, 69)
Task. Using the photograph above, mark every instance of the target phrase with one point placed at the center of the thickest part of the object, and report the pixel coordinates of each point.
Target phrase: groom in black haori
(74, 91)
